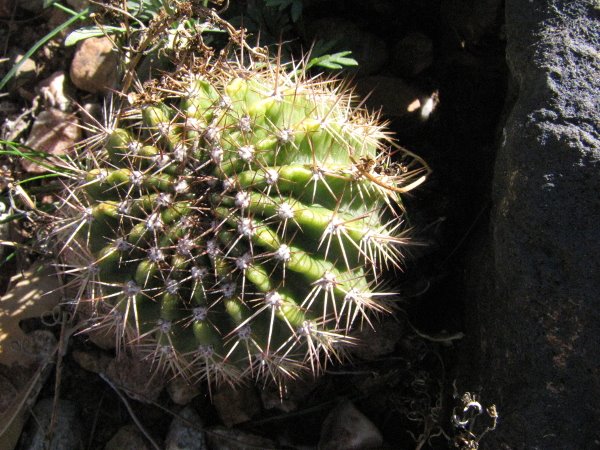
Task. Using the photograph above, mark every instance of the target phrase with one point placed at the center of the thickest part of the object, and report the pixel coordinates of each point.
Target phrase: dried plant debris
(468, 430)
(31, 356)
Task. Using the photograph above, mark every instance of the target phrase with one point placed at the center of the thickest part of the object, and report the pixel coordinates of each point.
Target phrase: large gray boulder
(534, 311)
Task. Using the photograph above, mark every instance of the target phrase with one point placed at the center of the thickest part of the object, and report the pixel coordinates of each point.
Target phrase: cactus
(233, 221)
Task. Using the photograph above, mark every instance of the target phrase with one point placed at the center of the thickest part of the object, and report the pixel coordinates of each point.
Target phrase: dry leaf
(33, 293)
(54, 132)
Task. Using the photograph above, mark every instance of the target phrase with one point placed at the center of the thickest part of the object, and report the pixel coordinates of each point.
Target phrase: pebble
(92, 361)
(95, 65)
(54, 132)
(66, 433)
(377, 342)
(186, 432)
(296, 390)
(412, 55)
(135, 377)
(221, 438)
(346, 428)
(182, 391)
(25, 74)
(129, 438)
(55, 91)
(237, 405)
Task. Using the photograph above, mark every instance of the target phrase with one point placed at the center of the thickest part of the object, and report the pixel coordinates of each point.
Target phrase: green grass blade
(11, 73)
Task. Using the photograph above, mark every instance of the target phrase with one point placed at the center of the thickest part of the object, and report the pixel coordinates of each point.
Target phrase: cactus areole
(233, 225)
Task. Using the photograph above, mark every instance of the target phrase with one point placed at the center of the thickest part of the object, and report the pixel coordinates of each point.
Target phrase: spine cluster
(233, 224)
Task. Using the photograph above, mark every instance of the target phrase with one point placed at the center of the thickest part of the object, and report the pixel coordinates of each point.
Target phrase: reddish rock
(94, 66)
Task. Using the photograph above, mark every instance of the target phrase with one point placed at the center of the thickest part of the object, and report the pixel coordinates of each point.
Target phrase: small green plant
(233, 221)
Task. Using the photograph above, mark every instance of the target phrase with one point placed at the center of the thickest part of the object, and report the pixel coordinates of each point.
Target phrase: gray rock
(346, 428)
(373, 343)
(533, 311)
(66, 432)
(412, 55)
(186, 432)
(128, 437)
(95, 65)
(221, 438)
(369, 50)
(237, 405)
(288, 399)
(182, 391)
(136, 377)
(90, 360)
(470, 20)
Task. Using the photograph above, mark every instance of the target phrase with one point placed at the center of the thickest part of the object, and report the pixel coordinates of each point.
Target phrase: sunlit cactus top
(232, 223)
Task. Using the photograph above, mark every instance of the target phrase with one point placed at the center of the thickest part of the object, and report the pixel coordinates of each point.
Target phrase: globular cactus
(233, 221)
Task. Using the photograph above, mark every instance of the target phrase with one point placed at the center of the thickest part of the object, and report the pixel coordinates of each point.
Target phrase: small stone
(186, 432)
(136, 377)
(378, 342)
(287, 400)
(236, 405)
(390, 94)
(54, 91)
(92, 361)
(221, 438)
(25, 74)
(94, 66)
(412, 55)
(66, 432)
(181, 391)
(128, 437)
(346, 428)
(54, 132)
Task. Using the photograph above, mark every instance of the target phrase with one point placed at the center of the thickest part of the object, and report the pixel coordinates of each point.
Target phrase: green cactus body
(234, 227)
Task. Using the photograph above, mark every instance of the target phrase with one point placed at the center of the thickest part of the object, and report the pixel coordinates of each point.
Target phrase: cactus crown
(233, 221)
